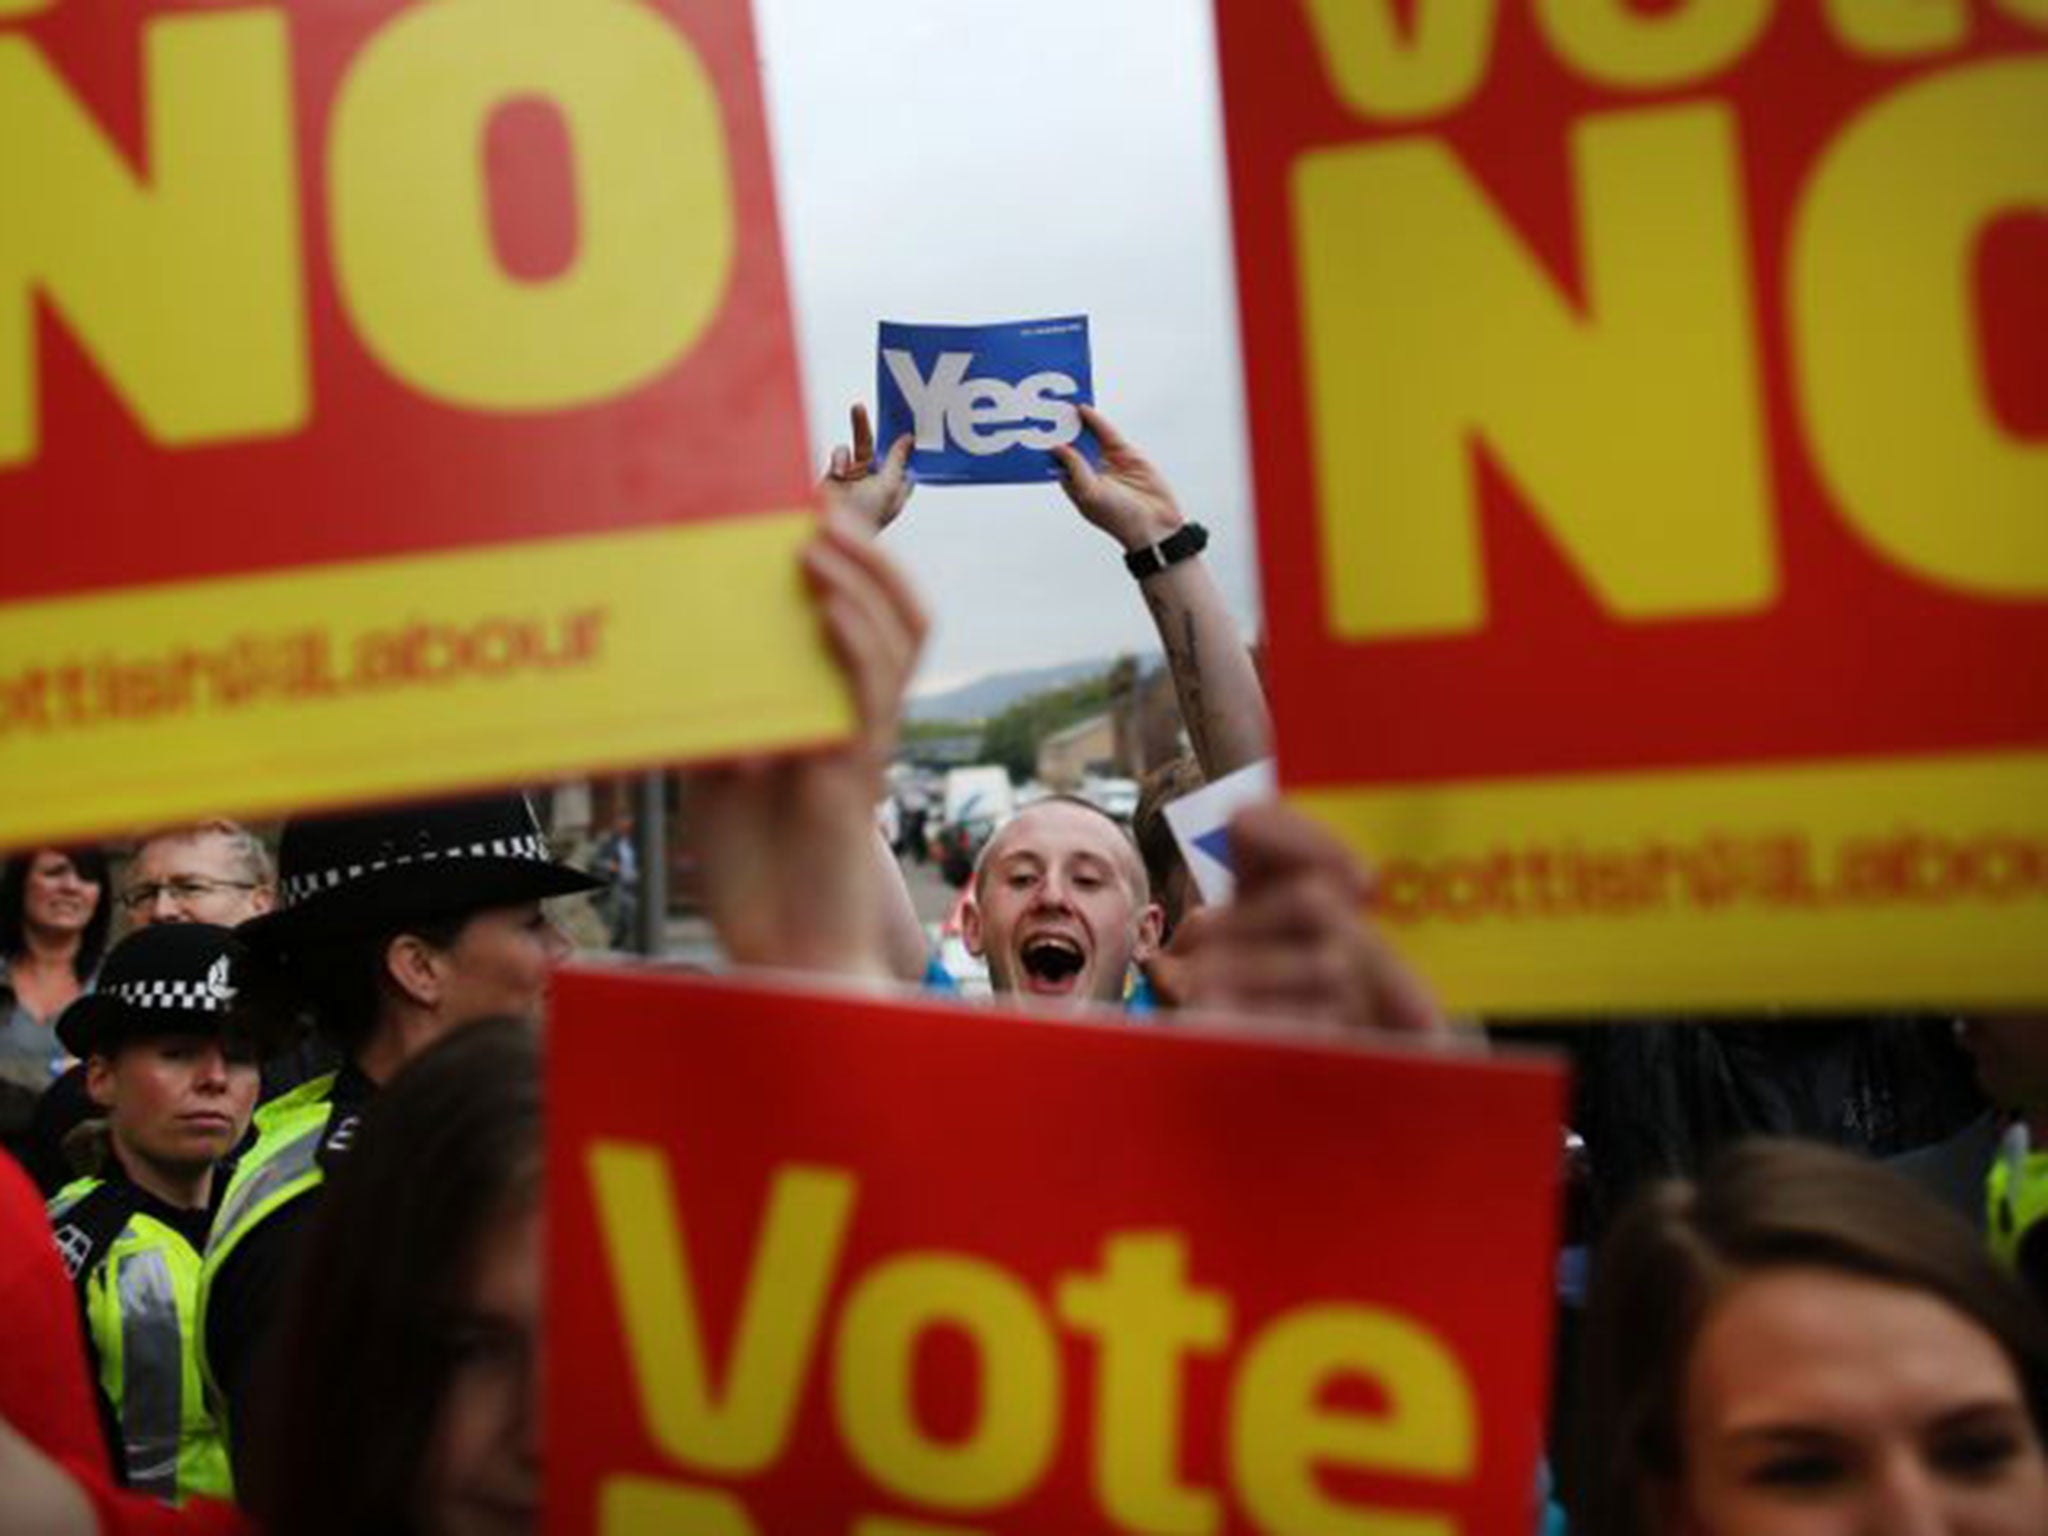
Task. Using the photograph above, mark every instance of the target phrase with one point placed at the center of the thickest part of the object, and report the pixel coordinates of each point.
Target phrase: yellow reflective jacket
(138, 1287)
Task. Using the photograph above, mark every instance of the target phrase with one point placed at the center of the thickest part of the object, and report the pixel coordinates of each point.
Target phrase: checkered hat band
(185, 995)
(531, 845)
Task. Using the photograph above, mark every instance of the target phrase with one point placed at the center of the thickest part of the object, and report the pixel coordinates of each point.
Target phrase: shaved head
(1116, 842)
(1060, 907)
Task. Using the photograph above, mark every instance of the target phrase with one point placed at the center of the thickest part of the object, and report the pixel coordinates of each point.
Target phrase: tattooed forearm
(1187, 681)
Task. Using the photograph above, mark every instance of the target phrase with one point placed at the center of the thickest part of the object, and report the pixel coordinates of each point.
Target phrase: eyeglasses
(182, 889)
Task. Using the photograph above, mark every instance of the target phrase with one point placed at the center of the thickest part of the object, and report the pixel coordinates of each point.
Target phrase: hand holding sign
(787, 844)
(1126, 497)
(1294, 944)
(873, 494)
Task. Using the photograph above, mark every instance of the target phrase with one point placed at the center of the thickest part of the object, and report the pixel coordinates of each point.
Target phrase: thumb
(1077, 476)
(1272, 842)
(1194, 929)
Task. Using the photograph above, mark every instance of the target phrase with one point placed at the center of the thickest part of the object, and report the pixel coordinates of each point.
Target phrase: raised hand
(1126, 498)
(788, 845)
(1294, 944)
(871, 494)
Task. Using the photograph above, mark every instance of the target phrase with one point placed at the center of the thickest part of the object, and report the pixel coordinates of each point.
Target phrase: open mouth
(1052, 964)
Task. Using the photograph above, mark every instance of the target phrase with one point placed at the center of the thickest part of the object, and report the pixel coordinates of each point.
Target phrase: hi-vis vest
(2015, 1194)
(138, 1283)
(283, 1164)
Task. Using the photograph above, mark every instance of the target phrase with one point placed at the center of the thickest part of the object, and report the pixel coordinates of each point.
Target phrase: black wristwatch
(1184, 543)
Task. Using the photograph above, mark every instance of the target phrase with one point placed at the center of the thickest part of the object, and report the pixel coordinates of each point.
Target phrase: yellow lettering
(874, 1382)
(412, 244)
(2028, 13)
(1615, 44)
(1883, 29)
(632, 1506)
(183, 289)
(1145, 1316)
(744, 1428)
(1884, 344)
(1279, 1430)
(1633, 430)
(1381, 69)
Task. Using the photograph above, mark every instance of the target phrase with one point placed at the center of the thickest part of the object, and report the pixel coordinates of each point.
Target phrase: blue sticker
(1216, 844)
(985, 403)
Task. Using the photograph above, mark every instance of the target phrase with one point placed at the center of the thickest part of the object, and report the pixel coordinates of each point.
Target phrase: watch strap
(1184, 543)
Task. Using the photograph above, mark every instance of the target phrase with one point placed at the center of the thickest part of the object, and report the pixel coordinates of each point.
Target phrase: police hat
(170, 979)
(360, 872)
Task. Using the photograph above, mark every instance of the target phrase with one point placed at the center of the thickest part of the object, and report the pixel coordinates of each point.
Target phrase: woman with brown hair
(403, 1398)
(54, 914)
(402, 1401)
(1800, 1343)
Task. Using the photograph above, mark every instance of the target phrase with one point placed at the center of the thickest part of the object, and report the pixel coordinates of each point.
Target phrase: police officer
(2011, 1052)
(166, 1060)
(394, 928)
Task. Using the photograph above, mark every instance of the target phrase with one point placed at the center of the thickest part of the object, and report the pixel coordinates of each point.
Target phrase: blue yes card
(984, 403)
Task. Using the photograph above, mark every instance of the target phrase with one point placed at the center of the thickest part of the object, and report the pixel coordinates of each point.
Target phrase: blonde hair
(245, 846)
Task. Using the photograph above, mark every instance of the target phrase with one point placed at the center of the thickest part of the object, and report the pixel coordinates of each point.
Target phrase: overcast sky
(980, 161)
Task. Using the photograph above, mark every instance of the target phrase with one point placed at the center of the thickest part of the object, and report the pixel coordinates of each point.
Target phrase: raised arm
(864, 492)
(872, 493)
(1218, 688)
(788, 845)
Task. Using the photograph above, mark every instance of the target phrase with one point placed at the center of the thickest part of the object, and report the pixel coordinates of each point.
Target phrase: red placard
(824, 1264)
(384, 374)
(1650, 422)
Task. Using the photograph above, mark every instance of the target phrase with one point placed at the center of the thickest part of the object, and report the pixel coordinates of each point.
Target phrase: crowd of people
(272, 1239)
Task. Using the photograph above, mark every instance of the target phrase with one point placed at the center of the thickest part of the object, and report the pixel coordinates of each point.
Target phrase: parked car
(1119, 797)
(976, 801)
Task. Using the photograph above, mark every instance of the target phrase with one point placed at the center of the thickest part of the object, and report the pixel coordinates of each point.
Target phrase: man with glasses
(214, 871)
(206, 872)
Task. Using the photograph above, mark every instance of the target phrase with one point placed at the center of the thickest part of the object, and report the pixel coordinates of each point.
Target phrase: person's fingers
(865, 656)
(1274, 842)
(1401, 1001)
(1111, 440)
(1320, 971)
(898, 462)
(872, 623)
(1301, 944)
(841, 466)
(1170, 979)
(885, 635)
(1352, 976)
(1308, 905)
(863, 434)
(1197, 926)
(1077, 477)
(1284, 996)
(852, 538)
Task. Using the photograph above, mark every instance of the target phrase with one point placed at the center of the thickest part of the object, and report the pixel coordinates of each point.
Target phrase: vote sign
(985, 404)
(392, 397)
(1649, 411)
(828, 1265)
